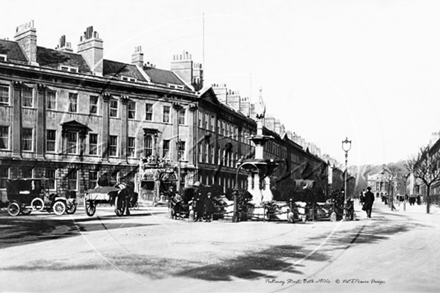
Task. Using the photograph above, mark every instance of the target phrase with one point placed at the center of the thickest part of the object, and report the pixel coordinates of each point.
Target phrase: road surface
(148, 252)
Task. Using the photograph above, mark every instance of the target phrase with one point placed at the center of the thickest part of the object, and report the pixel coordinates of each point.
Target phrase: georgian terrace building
(71, 117)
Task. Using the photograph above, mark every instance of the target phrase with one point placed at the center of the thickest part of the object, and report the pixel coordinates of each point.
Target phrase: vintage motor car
(32, 194)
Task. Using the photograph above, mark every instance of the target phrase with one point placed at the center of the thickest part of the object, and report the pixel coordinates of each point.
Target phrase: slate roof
(164, 77)
(114, 68)
(53, 58)
(13, 51)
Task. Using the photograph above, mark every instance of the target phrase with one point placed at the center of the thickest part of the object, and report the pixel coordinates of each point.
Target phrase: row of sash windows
(73, 143)
(51, 104)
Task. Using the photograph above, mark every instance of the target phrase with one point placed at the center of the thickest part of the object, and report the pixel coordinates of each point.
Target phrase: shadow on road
(252, 265)
(29, 229)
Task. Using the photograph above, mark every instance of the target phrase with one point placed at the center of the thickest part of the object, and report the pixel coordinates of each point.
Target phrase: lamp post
(346, 146)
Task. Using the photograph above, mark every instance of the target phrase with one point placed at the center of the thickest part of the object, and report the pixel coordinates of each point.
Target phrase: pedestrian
(368, 203)
(199, 207)
(104, 180)
(197, 201)
(176, 201)
(362, 197)
(209, 207)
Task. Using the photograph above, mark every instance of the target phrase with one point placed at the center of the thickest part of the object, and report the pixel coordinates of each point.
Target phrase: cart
(32, 194)
(118, 196)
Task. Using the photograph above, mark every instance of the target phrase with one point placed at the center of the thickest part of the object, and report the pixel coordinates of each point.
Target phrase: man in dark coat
(199, 207)
(209, 206)
(368, 202)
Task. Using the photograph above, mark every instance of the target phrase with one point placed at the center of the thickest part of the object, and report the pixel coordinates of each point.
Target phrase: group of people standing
(204, 208)
(203, 204)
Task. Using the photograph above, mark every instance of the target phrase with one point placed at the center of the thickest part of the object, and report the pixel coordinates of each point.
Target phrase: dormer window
(175, 86)
(3, 58)
(69, 68)
(126, 78)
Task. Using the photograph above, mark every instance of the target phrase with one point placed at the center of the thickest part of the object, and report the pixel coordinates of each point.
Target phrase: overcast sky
(366, 70)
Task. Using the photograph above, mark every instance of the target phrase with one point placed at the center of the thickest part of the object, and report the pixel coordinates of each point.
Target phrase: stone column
(257, 181)
(124, 127)
(267, 194)
(250, 186)
(174, 148)
(192, 137)
(41, 121)
(17, 124)
(64, 133)
(105, 126)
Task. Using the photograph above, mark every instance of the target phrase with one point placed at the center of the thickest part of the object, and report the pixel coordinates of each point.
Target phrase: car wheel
(89, 207)
(37, 204)
(59, 208)
(14, 209)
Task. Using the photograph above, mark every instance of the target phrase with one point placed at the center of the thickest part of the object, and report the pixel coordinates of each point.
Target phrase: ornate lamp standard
(346, 146)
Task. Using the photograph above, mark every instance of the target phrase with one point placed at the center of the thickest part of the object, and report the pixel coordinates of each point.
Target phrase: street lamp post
(346, 146)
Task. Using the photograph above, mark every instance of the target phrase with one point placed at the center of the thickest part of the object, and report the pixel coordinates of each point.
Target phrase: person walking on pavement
(368, 203)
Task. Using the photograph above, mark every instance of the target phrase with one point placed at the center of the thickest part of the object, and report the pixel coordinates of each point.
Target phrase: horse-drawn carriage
(121, 196)
(32, 194)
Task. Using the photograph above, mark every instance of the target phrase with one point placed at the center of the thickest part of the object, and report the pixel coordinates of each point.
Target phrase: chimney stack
(191, 73)
(269, 123)
(138, 57)
(26, 36)
(234, 100)
(277, 126)
(221, 92)
(64, 46)
(91, 48)
(245, 106)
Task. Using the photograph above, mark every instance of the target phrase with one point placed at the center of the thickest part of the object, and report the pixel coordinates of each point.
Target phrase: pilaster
(41, 121)
(124, 127)
(17, 122)
(105, 125)
(174, 146)
(192, 140)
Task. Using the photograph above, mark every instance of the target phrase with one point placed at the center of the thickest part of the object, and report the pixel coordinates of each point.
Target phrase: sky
(368, 71)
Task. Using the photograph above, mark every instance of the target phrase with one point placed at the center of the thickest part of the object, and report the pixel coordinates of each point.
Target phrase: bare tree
(425, 166)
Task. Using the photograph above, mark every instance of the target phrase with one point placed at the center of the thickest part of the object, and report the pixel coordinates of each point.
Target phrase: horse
(126, 197)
